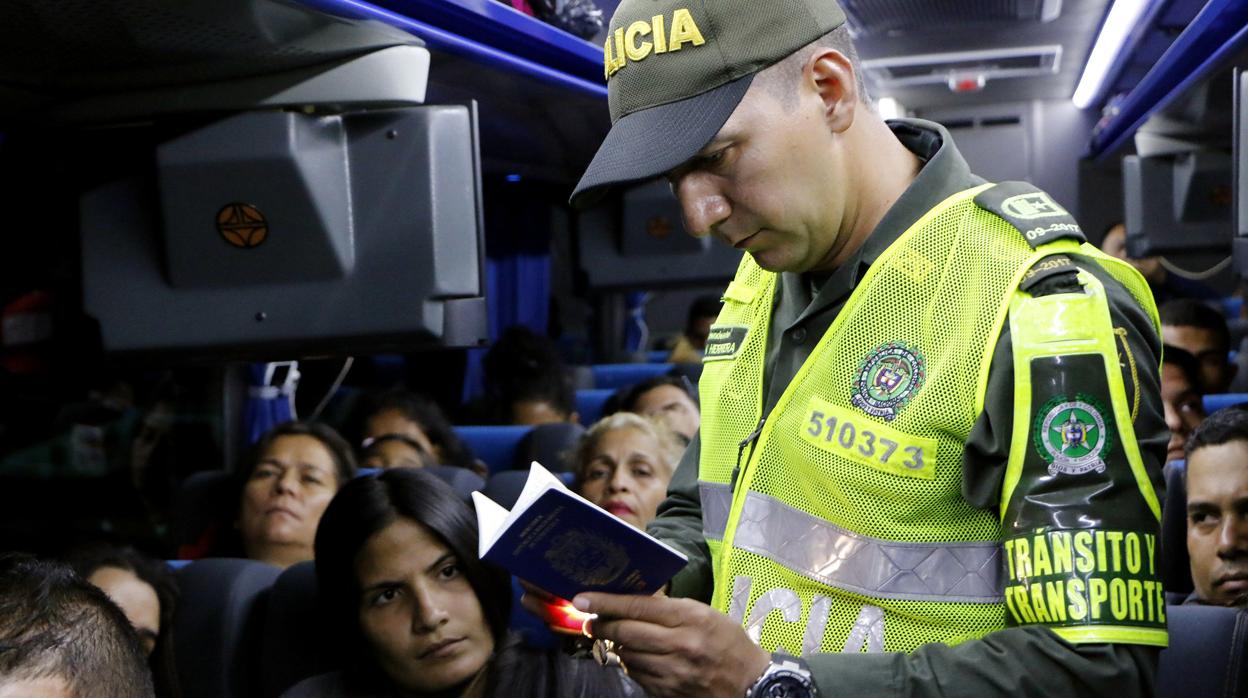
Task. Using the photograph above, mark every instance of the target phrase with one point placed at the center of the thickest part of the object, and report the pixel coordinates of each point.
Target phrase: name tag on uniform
(724, 342)
(850, 435)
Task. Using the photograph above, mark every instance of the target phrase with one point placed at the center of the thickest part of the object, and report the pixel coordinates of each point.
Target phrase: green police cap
(676, 70)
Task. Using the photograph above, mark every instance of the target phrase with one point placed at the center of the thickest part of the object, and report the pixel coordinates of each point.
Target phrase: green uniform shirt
(1005, 661)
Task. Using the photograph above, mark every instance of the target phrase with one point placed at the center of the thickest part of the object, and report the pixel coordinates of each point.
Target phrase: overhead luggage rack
(541, 90)
(485, 29)
(1214, 37)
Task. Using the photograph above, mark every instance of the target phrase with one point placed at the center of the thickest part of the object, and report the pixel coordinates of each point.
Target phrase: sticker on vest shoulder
(724, 342)
(888, 379)
(1072, 435)
(848, 435)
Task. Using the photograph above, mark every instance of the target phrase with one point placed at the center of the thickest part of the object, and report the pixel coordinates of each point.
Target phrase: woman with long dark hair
(419, 613)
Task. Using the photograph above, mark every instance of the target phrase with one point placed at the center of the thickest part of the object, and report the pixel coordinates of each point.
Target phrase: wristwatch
(785, 677)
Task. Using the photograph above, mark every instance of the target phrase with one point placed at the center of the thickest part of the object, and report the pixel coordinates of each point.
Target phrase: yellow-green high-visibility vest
(838, 523)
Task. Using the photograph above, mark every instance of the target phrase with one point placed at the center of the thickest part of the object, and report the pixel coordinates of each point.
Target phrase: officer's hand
(677, 647)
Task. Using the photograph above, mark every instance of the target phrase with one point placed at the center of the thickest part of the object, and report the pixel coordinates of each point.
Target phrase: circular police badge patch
(888, 379)
(1072, 436)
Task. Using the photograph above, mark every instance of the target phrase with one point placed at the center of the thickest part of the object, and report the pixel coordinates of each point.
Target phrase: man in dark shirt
(1217, 508)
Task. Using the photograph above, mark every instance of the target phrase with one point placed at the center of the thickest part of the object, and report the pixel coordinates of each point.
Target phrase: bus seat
(589, 404)
(582, 377)
(1176, 570)
(1208, 653)
(1231, 306)
(505, 487)
(616, 376)
(298, 642)
(202, 500)
(494, 445)
(1217, 401)
(217, 626)
(552, 445)
(529, 627)
(462, 480)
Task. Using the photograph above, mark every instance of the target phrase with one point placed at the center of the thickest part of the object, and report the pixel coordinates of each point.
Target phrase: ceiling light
(888, 108)
(1122, 18)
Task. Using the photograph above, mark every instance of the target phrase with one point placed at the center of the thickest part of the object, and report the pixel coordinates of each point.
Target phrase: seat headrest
(204, 498)
(462, 480)
(549, 444)
(217, 626)
(1208, 654)
(1176, 569)
(297, 643)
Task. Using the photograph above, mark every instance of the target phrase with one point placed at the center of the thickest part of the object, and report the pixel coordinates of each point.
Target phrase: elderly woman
(419, 614)
(294, 471)
(624, 464)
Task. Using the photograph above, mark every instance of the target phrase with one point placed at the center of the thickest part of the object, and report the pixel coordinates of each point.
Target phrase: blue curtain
(269, 405)
(636, 332)
(518, 293)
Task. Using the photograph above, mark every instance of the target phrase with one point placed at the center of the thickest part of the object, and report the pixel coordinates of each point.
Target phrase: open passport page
(557, 540)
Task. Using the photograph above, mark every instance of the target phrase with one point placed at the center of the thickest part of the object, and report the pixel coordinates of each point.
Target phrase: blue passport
(557, 540)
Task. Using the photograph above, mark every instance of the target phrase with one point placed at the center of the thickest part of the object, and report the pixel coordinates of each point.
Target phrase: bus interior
(257, 207)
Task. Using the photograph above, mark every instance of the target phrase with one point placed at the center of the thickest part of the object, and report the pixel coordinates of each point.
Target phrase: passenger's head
(395, 451)
(292, 473)
(1114, 243)
(419, 422)
(624, 464)
(61, 637)
(142, 587)
(1202, 332)
(702, 314)
(525, 380)
(545, 399)
(1181, 397)
(669, 398)
(1217, 507)
(396, 559)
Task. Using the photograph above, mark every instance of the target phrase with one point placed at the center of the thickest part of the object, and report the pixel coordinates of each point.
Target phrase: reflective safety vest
(838, 523)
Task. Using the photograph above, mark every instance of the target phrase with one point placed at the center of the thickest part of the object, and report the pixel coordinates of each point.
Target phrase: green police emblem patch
(888, 379)
(1073, 436)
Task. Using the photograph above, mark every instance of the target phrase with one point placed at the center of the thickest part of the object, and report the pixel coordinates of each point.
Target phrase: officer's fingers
(651, 609)
(557, 613)
(529, 589)
(638, 636)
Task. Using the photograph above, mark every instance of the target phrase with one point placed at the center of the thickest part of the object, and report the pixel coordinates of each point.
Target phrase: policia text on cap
(931, 423)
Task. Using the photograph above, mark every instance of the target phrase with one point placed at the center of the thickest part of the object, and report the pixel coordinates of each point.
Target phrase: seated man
(1217, 509)
(669, 398)
(692, 343)
(1180, 394)
(1200, 330)
(61, 637)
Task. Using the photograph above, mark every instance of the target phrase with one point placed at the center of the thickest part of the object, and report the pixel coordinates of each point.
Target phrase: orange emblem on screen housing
(242, 225)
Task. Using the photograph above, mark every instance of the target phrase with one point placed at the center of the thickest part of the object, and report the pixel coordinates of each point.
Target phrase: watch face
(786, 684)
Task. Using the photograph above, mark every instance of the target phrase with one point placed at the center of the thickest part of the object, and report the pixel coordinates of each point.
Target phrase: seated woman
(294, 471)
(402, 429)
(394, 451)
(419, 613)
(624, 464)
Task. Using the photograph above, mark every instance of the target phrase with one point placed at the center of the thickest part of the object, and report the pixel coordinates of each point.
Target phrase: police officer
(931, 429)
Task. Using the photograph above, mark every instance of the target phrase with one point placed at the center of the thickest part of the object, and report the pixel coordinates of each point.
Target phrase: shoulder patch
(1034, 213)
(1045, 269)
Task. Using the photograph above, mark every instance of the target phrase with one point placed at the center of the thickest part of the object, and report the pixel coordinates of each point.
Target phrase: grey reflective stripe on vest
(949, 572)
(716, 503)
